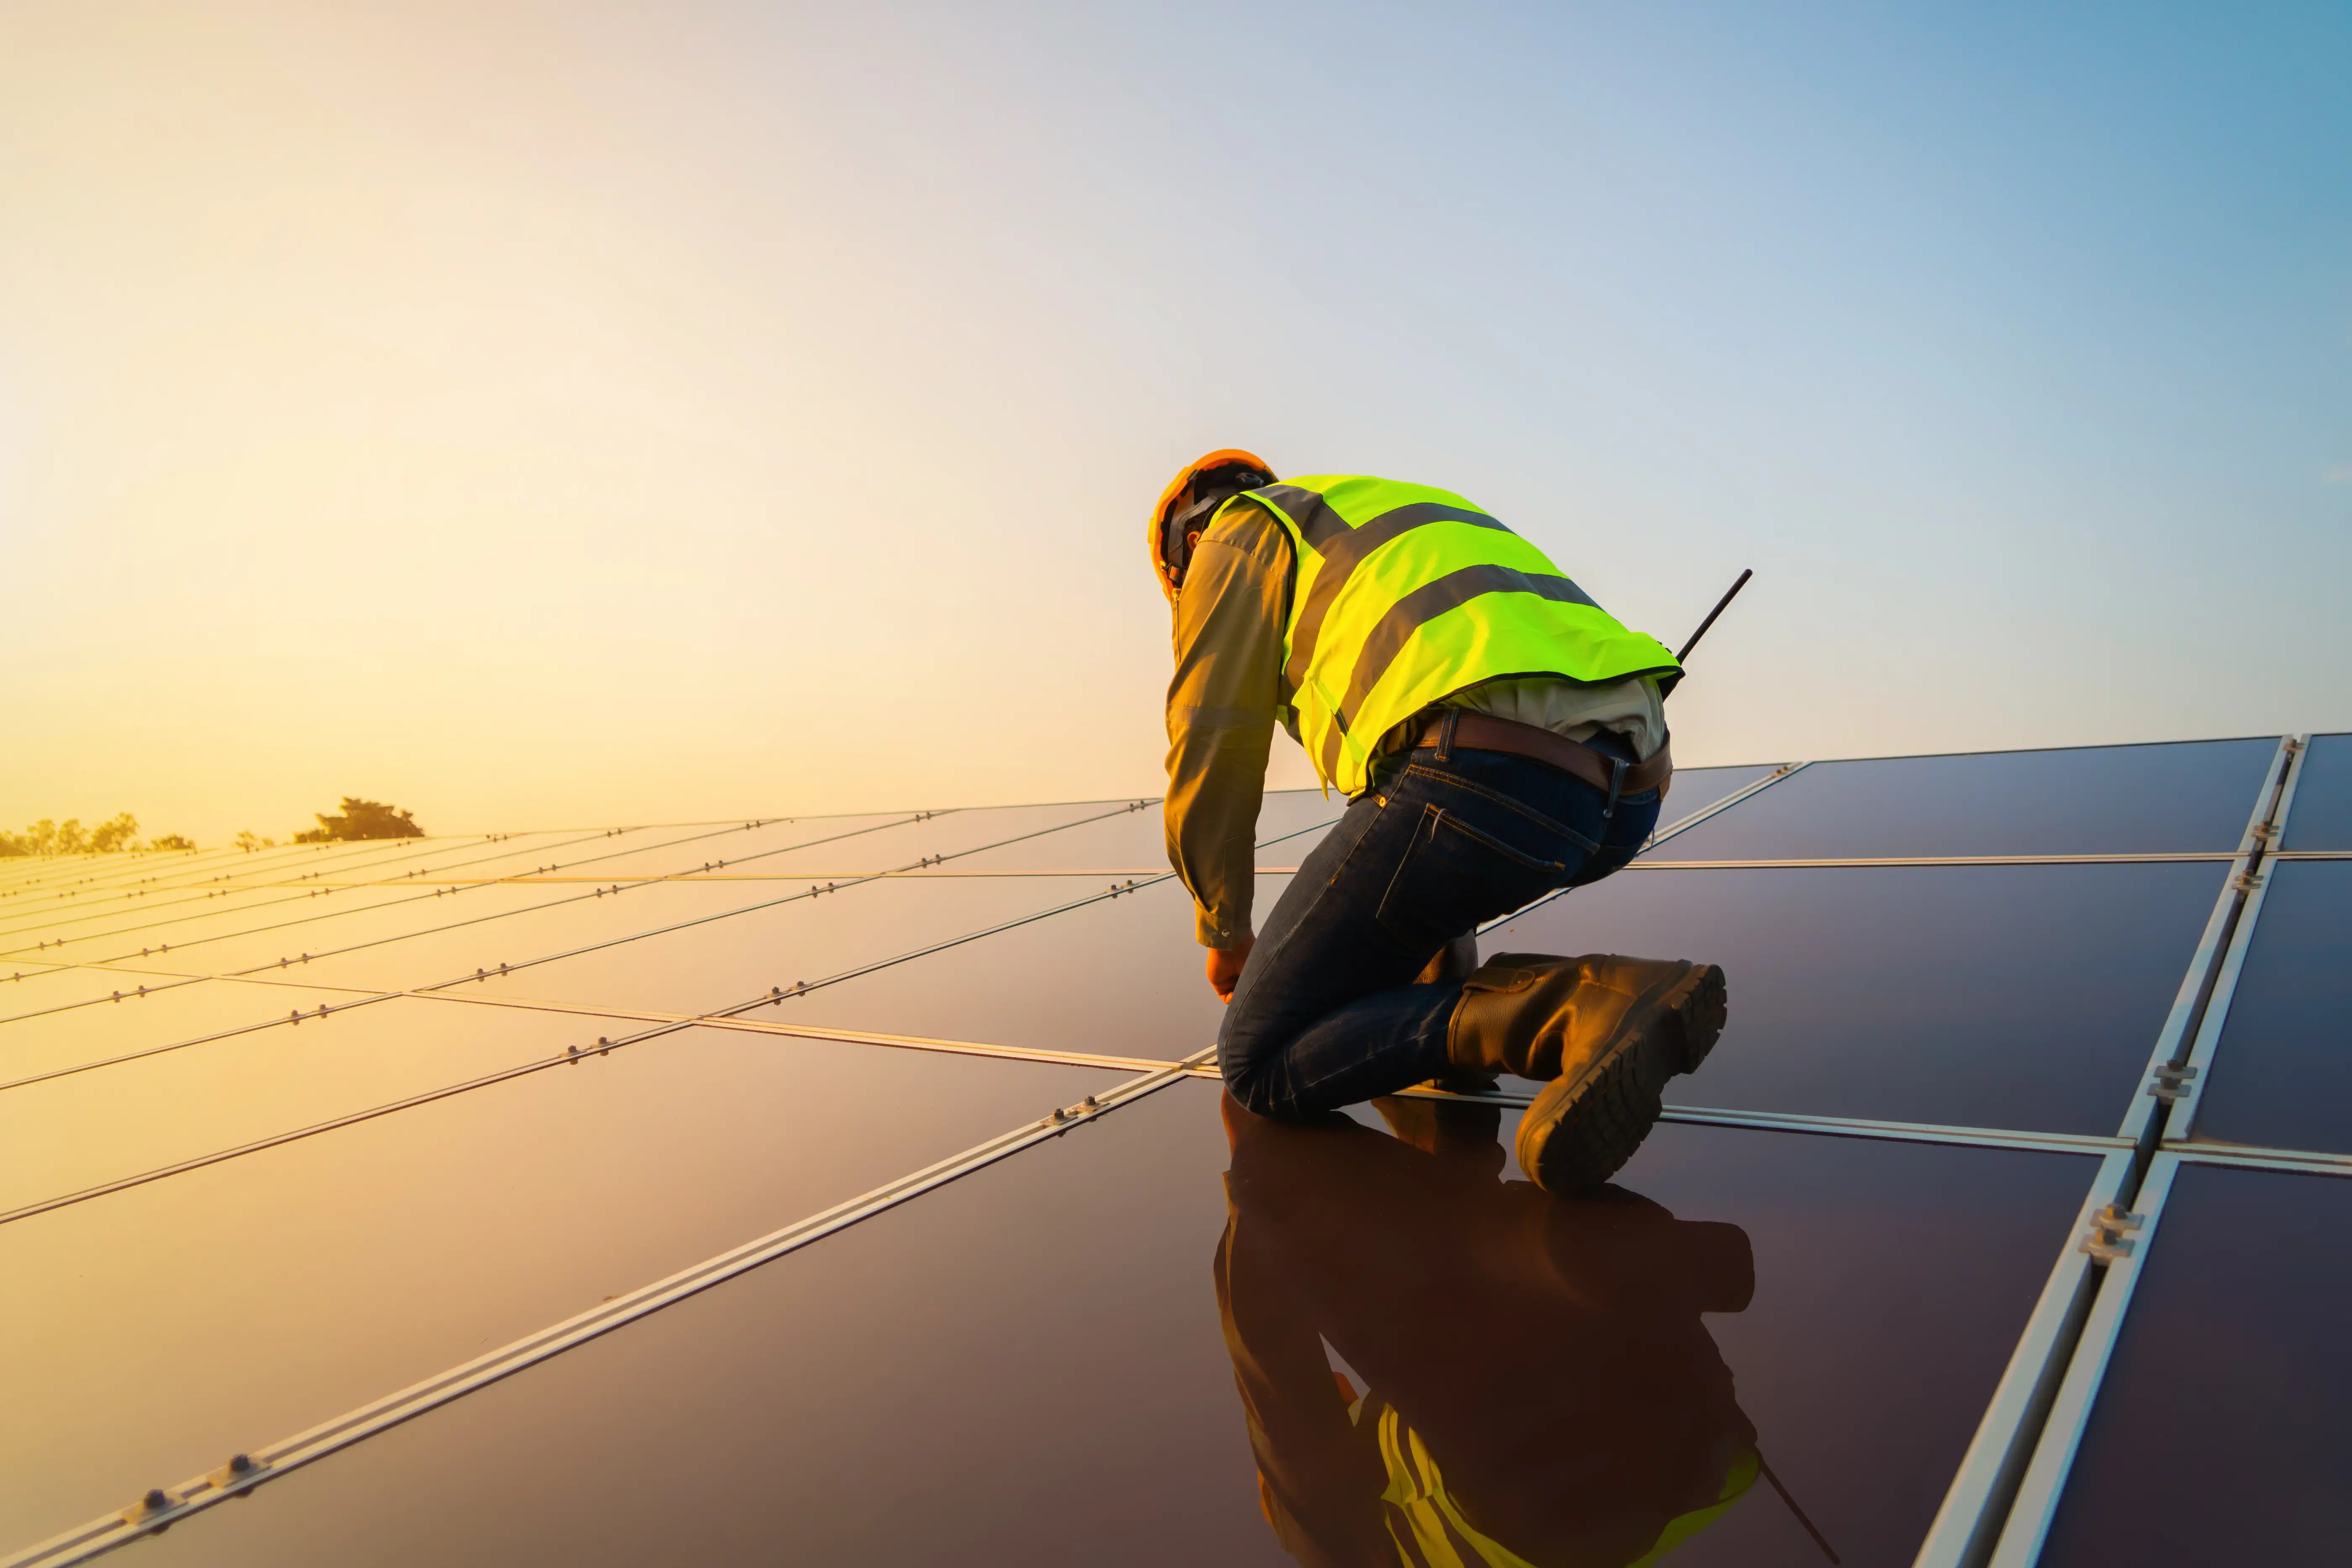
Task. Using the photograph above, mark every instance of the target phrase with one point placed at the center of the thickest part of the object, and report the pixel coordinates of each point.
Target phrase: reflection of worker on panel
(1499, 736)
(1540, 1388)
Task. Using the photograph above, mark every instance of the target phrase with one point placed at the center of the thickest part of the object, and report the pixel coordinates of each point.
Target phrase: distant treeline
(117, 834)
(120, 834)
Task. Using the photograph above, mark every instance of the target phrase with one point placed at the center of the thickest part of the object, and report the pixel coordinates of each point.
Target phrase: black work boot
(1457, 960)
(1603, 1033)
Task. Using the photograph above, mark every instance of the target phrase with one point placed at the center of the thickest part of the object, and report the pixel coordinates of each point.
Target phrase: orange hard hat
(1156, 534)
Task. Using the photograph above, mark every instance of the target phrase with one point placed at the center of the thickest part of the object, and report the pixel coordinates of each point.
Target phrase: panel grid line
(506, 970)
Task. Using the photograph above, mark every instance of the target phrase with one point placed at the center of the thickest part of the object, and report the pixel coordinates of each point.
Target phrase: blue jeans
(1326, 1012)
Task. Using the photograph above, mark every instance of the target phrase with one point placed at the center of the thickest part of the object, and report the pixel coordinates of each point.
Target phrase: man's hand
(1226, 967)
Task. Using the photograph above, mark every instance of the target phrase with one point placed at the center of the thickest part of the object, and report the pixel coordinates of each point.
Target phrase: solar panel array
(857, 1188)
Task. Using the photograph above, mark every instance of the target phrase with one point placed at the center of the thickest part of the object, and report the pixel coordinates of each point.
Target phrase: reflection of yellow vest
(1405, 594)
(1425, 1523)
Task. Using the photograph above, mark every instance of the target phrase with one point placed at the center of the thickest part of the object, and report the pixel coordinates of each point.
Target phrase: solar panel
(2091, 801)
(2229, 1377)
(1033, 1398)
(2322, 818)
(2283, 1075)
(1993, 996)
(854, 1188)
(182, 1319)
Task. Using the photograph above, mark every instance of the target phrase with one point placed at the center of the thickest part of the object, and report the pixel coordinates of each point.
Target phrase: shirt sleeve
(1221, 711)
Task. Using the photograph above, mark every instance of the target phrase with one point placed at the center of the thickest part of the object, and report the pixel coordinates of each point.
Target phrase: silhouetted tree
(361, 819)
(111, 836)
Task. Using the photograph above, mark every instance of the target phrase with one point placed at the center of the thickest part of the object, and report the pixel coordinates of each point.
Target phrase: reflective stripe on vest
(1435, 1529)
(1405, 594)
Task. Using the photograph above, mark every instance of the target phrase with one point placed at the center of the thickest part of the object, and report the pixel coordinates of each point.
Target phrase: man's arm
(1220, 717)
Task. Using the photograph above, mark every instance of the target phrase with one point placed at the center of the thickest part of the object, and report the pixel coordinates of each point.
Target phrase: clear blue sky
(702, 379)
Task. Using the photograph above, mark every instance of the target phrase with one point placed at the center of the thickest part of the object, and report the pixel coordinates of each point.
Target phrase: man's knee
(1255, 1083)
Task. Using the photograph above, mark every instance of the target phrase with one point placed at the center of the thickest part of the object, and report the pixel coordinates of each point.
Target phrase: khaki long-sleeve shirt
(1227, 697)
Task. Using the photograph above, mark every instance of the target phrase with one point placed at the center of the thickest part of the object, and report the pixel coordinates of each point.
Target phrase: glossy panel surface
(690, 848)
(1695, 789)
(178, 1322)
(2282, 1074)
(1123, 977)
(2099, 800)
(1133, 841)
(196, 921)
(2222, 1416)
(31, 1046)
(2000, 996)
(1033, 1363)
(2322, 814)
(747, 950)
(67, 1134)
(274, 942)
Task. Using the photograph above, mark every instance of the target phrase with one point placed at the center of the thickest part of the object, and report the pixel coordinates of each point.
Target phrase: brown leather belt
(1484, 733)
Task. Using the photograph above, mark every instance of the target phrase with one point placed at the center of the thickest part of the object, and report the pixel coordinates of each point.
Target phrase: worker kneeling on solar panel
(1499, 737)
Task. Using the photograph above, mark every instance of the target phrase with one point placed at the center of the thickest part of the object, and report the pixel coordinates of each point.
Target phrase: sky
(552, 415)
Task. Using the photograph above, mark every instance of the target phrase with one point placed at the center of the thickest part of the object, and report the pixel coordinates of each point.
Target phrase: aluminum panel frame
(2201, 987)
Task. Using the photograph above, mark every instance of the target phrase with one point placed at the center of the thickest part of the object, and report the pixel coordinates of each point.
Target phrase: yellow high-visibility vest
(1405, 594)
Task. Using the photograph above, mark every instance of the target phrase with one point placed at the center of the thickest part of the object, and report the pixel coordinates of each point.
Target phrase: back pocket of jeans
(1454, 876)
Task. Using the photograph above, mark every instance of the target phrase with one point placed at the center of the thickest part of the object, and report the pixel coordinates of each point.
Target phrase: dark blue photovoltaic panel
(1999, 997)
(2194, 795)
(2282, 1074)
(2227, 1387)
(2322, 816)
(177, 1323)
(1695, 789)
(1039, 1363)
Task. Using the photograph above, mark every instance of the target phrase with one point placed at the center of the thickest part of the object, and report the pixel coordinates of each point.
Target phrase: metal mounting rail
(2175, 1064)
(1841, 863)
(1978, 1501)
(2017, 1491)
(1802, 1122)
(2181, 1086)
(934, 873)
(168, 1505)
(1755, 786)
(2253, 1157)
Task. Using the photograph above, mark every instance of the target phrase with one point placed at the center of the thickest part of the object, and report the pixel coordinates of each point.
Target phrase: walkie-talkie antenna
(1818, 1539)
(1719, 604)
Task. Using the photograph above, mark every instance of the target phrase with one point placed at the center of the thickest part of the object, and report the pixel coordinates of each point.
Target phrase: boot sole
(1578, 1134)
